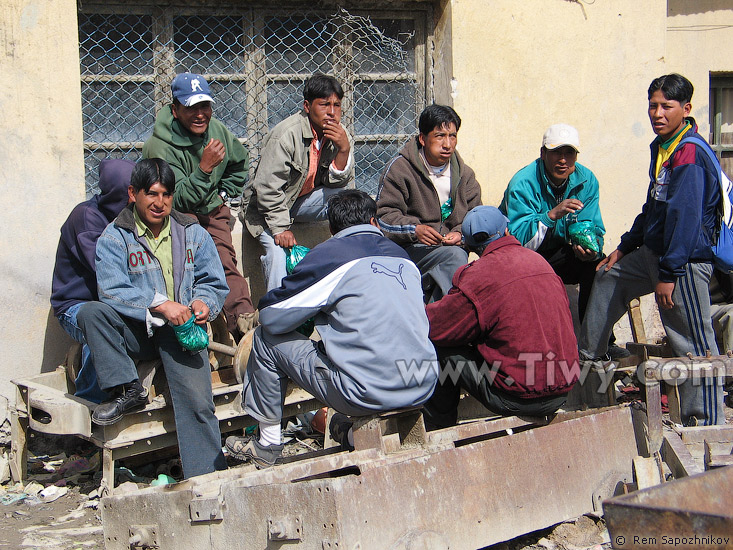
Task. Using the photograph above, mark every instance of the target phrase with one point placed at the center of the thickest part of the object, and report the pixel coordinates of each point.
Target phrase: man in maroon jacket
(504, 331)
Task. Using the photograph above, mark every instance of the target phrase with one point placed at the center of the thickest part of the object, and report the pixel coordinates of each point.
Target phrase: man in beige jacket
(305, 159)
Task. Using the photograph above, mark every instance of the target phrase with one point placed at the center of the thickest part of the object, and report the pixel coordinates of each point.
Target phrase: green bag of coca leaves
(293, 256)
(191, 336)
(584, 234)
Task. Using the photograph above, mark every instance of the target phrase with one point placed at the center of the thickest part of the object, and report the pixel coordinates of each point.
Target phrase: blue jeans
(115, 340)
(86, 383)
(312, 207)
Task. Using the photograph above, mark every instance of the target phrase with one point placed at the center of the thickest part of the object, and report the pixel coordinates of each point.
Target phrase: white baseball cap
(560, 135)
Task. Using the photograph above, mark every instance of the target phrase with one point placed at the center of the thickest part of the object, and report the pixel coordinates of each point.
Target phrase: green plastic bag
(191, 336)
(292, 258)
(446, 209)
(584, 234)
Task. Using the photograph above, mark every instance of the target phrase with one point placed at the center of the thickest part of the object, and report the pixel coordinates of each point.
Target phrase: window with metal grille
(256, 60)
(721, 119)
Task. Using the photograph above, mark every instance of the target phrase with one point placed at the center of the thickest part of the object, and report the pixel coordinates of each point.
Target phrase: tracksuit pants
(688, 324)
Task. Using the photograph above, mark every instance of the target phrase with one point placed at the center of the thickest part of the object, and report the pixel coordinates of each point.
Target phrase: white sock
(270, 434)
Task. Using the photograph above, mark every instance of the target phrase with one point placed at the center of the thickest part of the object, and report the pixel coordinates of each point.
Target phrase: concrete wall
(43, 175)
(697, 44)
(522, 66)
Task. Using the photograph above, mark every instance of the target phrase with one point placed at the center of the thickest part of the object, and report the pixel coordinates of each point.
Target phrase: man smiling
(667, 250)
(423, 195)
(156, 268)
(305, 159)
(210, 166)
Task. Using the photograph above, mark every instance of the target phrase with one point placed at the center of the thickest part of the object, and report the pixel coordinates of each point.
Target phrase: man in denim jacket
(156, 268)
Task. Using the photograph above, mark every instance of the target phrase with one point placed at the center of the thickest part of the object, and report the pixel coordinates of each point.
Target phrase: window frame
(257, 80)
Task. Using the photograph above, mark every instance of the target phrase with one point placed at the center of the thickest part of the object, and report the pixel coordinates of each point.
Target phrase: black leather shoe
(131, 397)
(339, 428)
(617, 352)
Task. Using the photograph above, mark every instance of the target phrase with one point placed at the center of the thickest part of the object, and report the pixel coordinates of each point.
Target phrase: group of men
(385, 307)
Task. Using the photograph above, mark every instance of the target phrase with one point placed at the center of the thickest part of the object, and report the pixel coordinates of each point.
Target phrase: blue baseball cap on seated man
(483, 225)
(190, 89)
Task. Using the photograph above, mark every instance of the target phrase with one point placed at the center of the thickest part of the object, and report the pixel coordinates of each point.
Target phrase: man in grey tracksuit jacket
(366, 297)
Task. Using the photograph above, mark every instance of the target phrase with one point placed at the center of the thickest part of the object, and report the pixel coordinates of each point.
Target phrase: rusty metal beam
(464, 493)
(693, 512)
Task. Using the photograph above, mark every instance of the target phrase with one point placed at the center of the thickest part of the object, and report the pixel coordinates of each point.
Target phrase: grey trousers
(722, 315)
(114, 341)
(688, 324)
(277, 357)
(437, 264)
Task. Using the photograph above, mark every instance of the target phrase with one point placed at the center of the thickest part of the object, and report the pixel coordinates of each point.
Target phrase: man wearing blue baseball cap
(211, 166)
(504, 332)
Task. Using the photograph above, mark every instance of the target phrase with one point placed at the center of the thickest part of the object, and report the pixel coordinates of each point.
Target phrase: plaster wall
(43, 175)
(522, 66)
(698, 34)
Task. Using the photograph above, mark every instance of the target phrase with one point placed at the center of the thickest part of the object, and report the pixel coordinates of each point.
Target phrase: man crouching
(366, 297)
(155, 269)
(504, 331)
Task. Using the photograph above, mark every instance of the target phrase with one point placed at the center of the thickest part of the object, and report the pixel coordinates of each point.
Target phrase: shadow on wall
(55, 344)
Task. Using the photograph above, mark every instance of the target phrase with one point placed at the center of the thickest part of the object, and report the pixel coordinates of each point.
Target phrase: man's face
(559, 163)
(667, 115)
(153, 206)
(439, 144)
(323, 111)
(195, 118)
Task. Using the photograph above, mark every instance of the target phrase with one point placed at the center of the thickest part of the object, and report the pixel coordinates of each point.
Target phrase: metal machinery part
(464, 487)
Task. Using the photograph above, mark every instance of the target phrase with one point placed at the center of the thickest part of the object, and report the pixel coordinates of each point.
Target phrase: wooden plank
(636, 321)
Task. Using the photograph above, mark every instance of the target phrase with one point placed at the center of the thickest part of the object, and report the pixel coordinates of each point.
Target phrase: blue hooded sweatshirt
(74, 276)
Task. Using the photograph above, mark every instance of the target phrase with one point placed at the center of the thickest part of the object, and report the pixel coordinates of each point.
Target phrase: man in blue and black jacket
(374, 355)
(667, 251)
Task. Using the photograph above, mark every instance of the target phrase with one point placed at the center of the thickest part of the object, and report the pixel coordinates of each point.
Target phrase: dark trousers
(460, 368)
(573, 271)
(114, 341)
(437, 264)
(238, 300)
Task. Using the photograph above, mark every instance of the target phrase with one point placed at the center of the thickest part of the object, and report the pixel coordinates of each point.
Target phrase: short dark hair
(350, 207)
(148, 172)
(674, 86)
(436, 116)
(321, 86)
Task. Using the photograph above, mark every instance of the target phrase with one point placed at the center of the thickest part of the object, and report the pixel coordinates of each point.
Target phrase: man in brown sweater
(423, 196)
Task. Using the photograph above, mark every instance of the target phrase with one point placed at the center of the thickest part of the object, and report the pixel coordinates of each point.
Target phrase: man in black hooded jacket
(74, 276)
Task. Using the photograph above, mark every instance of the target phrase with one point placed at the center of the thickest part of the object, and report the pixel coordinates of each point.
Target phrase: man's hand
(200, 311)
(568, 206)
(286, 239)
(176, 313)
(663, 294)
(583, 254)
(609, 260)
(452, 238)
(334, 132)
(212, 156)
(427, 235)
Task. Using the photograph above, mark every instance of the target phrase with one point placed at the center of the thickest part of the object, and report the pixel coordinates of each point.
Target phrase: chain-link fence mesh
(256, 62)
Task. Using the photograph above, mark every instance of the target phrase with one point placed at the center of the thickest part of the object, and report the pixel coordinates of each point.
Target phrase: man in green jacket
(548, 196)
(210, 165)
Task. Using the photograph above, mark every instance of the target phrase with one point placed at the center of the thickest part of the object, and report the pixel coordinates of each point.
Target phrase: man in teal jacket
(210, 166)
(545, 198)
